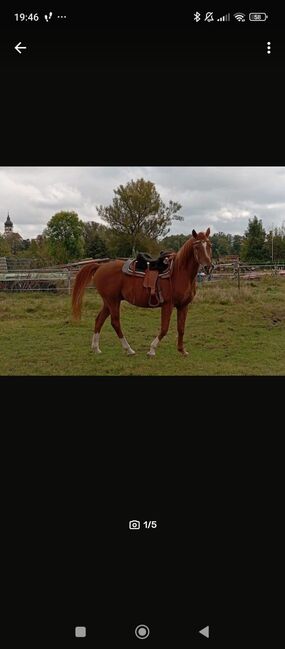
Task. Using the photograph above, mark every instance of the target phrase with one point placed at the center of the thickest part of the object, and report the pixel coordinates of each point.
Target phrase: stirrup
(150, 303)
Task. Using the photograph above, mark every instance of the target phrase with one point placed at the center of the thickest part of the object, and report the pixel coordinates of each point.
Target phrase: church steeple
(8, 225)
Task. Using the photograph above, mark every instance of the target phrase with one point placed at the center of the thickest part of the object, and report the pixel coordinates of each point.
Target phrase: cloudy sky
(223, 198)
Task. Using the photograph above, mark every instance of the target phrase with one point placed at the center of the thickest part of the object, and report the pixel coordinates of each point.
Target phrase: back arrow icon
(20, 47)
(205, 631)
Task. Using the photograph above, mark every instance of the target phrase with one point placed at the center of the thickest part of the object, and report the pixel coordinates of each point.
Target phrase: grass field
(228, 332)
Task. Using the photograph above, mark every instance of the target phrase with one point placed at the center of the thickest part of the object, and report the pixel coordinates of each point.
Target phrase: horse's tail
(82, 279)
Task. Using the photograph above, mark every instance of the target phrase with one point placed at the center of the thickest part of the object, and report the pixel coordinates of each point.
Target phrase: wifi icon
(240, 17)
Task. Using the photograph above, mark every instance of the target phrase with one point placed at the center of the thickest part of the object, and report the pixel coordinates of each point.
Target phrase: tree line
(137, 219)
(254, 246)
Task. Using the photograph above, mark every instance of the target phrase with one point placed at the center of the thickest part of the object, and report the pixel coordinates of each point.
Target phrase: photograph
(142, 271)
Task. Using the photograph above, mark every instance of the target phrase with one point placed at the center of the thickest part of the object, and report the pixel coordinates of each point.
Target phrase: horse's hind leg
(101, 317)
(115, 321)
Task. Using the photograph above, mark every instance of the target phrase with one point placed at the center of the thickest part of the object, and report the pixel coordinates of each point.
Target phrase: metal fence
(18, 275)
(236, 271)
(21, 277)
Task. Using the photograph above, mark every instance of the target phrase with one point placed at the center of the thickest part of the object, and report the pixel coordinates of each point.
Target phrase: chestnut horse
(114, 286)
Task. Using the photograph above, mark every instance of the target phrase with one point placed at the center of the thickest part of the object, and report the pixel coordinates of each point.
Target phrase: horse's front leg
(181, 319)
(166, 311)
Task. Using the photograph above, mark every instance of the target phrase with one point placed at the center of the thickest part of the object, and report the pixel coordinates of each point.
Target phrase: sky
(222, 198)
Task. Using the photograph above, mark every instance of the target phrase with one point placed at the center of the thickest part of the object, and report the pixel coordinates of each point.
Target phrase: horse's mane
(183, 255)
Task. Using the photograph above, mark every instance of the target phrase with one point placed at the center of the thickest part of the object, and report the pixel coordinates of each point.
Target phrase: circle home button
(142, 631)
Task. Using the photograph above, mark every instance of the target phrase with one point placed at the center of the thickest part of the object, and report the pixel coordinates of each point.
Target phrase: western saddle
(153, 269)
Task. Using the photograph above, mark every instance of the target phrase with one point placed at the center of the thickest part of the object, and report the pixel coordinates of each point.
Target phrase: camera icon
(134, 525)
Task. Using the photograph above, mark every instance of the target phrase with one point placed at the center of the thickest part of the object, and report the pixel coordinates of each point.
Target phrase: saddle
(153, 269)
(144, 261)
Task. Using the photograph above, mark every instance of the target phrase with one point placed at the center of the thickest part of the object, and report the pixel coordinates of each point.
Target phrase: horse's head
(203, 249)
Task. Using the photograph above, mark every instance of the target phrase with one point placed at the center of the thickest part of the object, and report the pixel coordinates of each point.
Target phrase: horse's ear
(208, 232)
(194, 234)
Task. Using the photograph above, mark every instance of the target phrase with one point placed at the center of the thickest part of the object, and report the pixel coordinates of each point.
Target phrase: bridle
(195, 250)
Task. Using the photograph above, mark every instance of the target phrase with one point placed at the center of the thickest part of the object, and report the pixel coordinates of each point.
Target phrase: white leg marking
(127, 347)
(153, 347)
(95, 344)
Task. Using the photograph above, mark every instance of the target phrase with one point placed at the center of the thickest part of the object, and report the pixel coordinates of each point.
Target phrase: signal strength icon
(224, 18)
(240, 17)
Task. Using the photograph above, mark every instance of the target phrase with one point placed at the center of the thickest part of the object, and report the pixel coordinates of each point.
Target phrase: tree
(236, 244)
(221, 244)
(94, 240)
(138, 212)
(120, 245)
(4, 247)
(173, 242)
(276, 249)
(15, 243)
(253, 247)
(64, 233)
(39, 252)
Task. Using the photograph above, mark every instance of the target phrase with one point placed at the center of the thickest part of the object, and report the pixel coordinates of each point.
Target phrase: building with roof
(8, 226)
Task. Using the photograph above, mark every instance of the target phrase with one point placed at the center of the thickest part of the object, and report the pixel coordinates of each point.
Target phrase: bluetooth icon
(197, 16)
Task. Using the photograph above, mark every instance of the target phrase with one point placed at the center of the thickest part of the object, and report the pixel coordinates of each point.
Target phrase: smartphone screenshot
(142, 324)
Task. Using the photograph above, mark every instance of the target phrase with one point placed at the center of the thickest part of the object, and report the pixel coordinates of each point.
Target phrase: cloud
(229, 214)
(223, 197)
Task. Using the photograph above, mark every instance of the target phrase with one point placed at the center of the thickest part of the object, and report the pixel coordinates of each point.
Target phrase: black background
(132, 87)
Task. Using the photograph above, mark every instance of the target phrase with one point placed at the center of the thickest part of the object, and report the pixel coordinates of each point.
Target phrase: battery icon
(258, 17)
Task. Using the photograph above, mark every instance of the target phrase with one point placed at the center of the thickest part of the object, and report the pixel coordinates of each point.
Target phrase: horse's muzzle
(209, 269)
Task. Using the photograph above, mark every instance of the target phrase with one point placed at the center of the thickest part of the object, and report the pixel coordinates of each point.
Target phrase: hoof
(183, 352)
(151, 353)
(130, 352)
(95, 348)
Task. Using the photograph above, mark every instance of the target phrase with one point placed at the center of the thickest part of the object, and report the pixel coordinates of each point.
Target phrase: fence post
(238, 276)
(69, 281)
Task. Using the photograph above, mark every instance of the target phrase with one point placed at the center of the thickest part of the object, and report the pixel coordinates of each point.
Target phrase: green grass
(228, 332)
